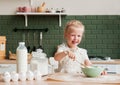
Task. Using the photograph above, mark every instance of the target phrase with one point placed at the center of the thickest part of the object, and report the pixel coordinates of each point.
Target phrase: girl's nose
(75, 37)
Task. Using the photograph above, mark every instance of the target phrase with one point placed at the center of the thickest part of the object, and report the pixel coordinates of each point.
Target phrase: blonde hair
(73, 23)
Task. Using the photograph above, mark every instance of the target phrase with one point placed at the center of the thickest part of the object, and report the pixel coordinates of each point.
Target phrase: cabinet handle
(106, 69)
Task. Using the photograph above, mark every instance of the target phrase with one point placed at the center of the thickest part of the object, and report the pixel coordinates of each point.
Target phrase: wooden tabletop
(113, 61)
(54, 79)
(54, 83)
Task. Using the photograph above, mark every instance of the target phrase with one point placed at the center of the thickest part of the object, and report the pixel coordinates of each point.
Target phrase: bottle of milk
(21, 53)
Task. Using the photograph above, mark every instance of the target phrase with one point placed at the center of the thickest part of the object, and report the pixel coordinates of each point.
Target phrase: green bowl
(92, 71)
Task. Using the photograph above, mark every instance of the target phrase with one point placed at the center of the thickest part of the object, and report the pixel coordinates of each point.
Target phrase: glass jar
(39, 62)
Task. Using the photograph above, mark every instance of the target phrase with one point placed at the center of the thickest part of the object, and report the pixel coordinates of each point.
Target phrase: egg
(6, 77)
(37, 75)
(14, 76)
(30, 75)
(22, 76)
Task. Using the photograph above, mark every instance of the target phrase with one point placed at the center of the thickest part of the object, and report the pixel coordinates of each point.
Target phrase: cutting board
(65, 77)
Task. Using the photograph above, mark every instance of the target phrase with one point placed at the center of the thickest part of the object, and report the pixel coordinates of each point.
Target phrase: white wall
(73, 7)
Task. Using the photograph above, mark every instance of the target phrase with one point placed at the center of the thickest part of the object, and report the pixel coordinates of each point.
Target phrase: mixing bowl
(92, 71)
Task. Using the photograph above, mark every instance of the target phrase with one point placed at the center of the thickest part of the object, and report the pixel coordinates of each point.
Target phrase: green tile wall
(102, 35)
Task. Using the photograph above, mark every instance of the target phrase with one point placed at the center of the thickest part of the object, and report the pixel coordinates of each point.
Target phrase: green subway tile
(111, 55)
(96, 41)
(96, 22)
(90, 17)
(116, 31)
(107, 22)
(102, 17)
(116, 22)
(80, 17)
(107, 51)
(91, 46)
(55, 32)
(112, 46)
(107, 31)
(115, 51)
(85, 22)
(101, 46)
(116, 41)
(113, 17)
(70, 17)
(88, 32)
(91, 36)
(96, 31)
(96, 51)
(113, 36)
(108, 41)
(113, 27)
(87, 41)
(118, 36)
(103, 27)
(92, 27)
(101, 36)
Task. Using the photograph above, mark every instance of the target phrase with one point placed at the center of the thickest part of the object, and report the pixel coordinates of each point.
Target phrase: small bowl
(92, 71)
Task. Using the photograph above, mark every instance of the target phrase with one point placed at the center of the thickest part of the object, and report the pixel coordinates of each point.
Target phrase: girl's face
(73, 36)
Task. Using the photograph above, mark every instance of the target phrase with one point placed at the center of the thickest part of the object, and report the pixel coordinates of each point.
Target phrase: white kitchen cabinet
(8, 67)
(110, 68)
(118, 69)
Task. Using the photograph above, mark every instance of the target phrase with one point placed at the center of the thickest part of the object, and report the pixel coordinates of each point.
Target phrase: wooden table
(114, 61)
(59, 79)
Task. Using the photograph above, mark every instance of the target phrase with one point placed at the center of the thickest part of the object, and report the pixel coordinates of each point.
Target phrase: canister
(2, 47)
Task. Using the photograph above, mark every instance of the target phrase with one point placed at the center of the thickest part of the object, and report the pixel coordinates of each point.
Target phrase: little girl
(69, 54)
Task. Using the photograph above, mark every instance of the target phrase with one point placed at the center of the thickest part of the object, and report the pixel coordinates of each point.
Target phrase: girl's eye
(72, 35)
(79, 35)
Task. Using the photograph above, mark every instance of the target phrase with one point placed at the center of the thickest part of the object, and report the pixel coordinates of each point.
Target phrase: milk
(21, 58)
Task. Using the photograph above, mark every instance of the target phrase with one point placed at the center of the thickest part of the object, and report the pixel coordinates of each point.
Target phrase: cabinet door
(118, 69)
(7, 68)
(110, 68)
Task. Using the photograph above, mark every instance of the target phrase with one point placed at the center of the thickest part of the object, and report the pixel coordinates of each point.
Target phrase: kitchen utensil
(28, 43)
(41, 8)
(23, 36)
(34, 48)
(92, 71)
(40, 41)
(82, 65)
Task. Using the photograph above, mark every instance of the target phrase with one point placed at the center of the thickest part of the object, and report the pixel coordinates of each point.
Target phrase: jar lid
(22, 43)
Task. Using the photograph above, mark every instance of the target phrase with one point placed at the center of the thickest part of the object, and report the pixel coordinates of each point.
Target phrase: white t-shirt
(68, 65)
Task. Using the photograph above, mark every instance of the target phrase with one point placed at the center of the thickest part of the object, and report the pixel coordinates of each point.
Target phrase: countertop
(113, 61)
(65, 79)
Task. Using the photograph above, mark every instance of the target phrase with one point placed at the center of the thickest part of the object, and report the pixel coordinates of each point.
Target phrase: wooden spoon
(82, 65)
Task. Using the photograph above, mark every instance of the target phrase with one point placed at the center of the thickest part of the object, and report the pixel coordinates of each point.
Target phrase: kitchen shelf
(41, 30)
(36, 13)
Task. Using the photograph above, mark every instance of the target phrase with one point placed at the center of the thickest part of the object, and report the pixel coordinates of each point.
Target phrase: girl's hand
(71, 55)
(104, 73)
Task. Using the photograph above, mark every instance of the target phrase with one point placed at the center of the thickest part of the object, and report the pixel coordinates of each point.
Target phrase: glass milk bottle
(21, 53)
